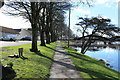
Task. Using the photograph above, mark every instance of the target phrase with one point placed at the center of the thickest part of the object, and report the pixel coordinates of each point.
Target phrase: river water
(109, 55)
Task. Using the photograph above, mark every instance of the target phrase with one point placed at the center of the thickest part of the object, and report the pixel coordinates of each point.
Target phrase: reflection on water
(110, 55)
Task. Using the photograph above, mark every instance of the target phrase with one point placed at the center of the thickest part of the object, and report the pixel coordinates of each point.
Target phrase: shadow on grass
(82, 57)
(57, 50)
(79, 56)
(24, 58)
(99, 75)
(50, 48)
(17, 56)
(92, 73)
(39, 53)
(57, 62)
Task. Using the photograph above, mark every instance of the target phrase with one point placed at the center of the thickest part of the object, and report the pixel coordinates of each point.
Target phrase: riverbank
(34, 65)
(97, 45)
(90, 68)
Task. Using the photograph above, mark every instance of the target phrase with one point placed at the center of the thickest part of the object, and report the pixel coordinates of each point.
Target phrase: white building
(7, 32)
(24, 33)
(14, 33)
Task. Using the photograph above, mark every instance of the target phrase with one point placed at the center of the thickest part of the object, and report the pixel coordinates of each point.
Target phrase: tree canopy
(99, 25)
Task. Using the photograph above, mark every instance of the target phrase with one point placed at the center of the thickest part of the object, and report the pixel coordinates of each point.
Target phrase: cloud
(13, 22)
(105, 17)
(108, 5)
(101, 1)
(113, 21)
(105, 1)
(108, 50)
(82, 11)
(116, 0)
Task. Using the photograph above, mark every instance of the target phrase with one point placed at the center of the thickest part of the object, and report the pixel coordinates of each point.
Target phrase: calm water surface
(110, 55)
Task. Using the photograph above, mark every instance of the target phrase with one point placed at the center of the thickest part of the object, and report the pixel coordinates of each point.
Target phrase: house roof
(18, 30)
(8, 30)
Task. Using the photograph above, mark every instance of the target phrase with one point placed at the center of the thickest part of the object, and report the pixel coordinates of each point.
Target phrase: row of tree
(46, 18)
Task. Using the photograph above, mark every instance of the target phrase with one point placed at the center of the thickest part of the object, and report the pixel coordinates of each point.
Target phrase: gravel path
(63, 67)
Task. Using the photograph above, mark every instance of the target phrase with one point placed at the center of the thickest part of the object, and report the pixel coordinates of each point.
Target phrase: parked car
(7, 39)
(27, 38)
(0, 38)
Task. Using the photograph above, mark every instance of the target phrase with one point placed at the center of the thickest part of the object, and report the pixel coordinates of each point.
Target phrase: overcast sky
(105, 8)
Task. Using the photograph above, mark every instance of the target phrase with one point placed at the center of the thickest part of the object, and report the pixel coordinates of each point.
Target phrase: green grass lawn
(36, 66)
(91, 68)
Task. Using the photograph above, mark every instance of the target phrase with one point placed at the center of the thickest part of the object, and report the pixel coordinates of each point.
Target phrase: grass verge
(91, 68)
(36, 65)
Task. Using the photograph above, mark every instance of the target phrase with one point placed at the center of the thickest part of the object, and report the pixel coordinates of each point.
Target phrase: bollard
(20, 51)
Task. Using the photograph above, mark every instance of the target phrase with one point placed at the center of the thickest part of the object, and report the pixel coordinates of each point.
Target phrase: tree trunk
(55, 35)
(34, 40)
(47, 37)
(43, 26)
(51, 22)
(34, 28)
(61, 33)
(52, 36)
(42, 39)
(47, 28)
(86, 45)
